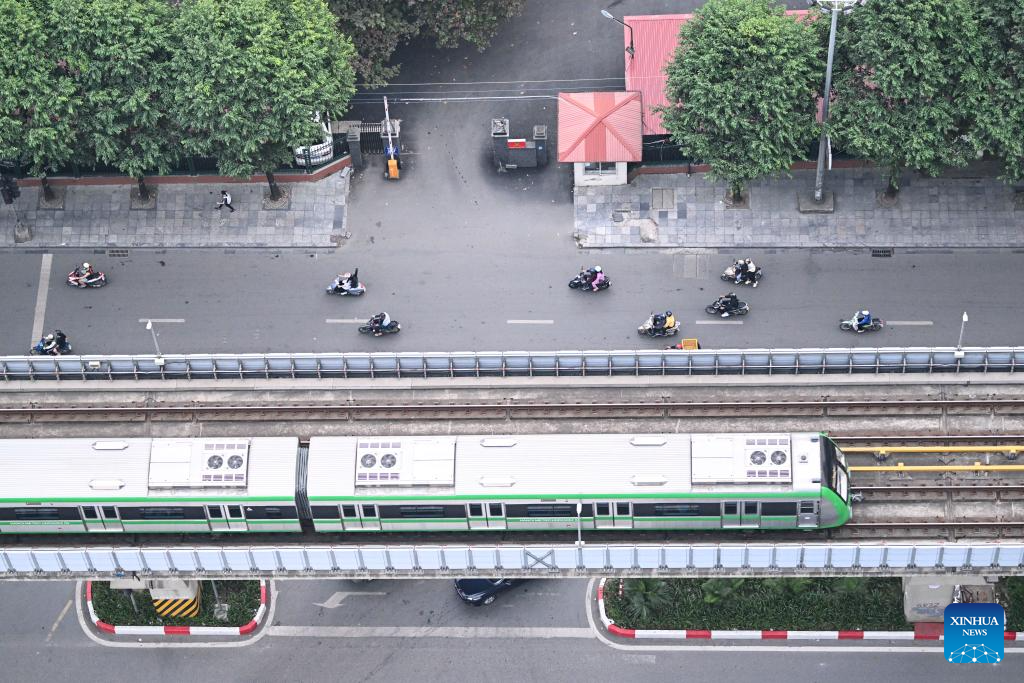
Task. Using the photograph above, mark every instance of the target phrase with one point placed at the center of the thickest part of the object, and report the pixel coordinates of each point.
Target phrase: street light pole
(834, 7)
(608, 15)
(159, 356)
(579, 524)
(959, 342)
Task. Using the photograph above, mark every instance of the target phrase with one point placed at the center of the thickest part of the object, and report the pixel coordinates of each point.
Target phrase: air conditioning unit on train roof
(205, 463)
(406, 461)
(741, 459)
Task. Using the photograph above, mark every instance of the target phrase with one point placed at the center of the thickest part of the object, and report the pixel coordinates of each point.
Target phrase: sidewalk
(94, 215)
(930, 212)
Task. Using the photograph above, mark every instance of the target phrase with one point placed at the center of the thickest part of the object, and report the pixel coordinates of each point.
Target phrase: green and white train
(423, 483)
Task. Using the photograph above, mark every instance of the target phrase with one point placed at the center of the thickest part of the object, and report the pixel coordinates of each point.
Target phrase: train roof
(562, 464)
(112, 469)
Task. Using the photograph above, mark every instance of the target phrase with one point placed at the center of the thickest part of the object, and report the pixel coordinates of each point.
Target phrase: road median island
(112, 611)
(772, 609)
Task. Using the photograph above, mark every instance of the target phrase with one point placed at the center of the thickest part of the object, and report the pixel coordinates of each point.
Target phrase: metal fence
(539, 560)
(515, 364)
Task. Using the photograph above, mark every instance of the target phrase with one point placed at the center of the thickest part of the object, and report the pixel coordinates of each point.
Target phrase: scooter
(392, 328)
(875, 326)
(75, 279)
(718, 308)
(60, 350)
(648, 329)
(582, 285)
(336, 289)
(729, 275)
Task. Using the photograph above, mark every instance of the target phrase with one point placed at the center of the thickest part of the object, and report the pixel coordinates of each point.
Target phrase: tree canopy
(907, 83)
(742, 89)
(1001, 118)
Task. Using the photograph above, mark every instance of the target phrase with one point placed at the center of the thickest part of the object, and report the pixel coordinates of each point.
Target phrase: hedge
(115, 607)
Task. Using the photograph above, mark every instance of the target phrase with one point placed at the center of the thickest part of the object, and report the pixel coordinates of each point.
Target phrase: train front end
(835, 485)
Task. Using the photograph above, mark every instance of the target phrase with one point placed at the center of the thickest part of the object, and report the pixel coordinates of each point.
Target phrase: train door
(217, 517)
(750, 515)
(350, 518)
(111, 519)
(741, 514)
(496, 516)
(91, 517)
(603, 518)
(477, 520)
(622, 515)
(368, 515)
(236, 518)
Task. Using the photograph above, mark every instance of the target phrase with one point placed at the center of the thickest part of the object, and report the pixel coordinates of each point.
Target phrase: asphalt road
(537, 632)
(262, 302)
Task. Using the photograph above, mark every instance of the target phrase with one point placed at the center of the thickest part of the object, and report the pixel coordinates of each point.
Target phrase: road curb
(178, 630)
(691, 634)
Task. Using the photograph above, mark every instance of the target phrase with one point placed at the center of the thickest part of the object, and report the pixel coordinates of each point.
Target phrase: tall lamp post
(959, 353)
(834, 7)
(608, 15)
(159, 356)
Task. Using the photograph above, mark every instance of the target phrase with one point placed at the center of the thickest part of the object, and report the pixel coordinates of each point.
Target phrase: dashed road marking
(345, 321)
(44, 290)
(908, 323)
(530, 322)
(161, 320)
(60, 618)
(718, 322)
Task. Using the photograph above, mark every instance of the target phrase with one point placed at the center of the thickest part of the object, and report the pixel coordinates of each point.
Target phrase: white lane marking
(428, 632)
(590, 605)
(530, 322)
(335, 321)
(161, 320)
(907, 323)
(60, 618)
(88, 628)
(718, 322)
(337, 598)
(44, 290)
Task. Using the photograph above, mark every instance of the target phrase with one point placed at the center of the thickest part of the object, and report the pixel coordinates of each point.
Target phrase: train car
(562, 481)
(148, 485)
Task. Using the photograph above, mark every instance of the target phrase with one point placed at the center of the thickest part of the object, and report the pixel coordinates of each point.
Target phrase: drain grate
(117, 253)
(883, 252)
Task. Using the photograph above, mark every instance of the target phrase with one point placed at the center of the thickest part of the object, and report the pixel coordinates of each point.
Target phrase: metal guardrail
(318, 561)
(517, 363)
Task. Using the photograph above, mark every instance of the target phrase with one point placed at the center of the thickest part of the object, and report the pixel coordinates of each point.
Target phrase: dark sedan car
(483, 591)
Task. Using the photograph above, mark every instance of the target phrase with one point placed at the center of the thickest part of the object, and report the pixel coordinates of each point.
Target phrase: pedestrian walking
(225, 200)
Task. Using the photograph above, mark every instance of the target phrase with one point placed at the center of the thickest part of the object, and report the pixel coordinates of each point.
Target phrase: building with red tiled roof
(599, 132)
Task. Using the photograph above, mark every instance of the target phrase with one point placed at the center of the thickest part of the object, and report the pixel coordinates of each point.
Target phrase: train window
(36, 513)
(537, 510)
(730, 509)
(369, 510)
(422, 511)
(807, 507)
(495, 509)
(476, 510)
(779, 509)
(622, 509)
(326, 511)
(161, 513)
(109, 512)
(348, 511)
(750, 507)
(89, 512)
(677, 509)
(235, 511)
(214, 512)
(270, 512)
(603, 509)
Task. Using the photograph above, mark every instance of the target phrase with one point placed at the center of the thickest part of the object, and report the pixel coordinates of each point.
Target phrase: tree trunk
(736, 192)
(894, 182)
(143, 190)
(47, 190)
(275, 191)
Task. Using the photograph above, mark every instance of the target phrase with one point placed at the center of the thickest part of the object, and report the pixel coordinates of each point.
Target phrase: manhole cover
(884, 252)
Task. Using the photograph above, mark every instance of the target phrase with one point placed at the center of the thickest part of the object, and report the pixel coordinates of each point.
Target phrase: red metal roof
(655, 37)
(599, 126)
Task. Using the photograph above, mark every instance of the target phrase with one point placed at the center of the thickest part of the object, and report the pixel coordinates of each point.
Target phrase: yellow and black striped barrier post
(178, 607)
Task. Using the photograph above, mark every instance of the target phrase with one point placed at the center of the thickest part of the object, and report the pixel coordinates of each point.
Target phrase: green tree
(250, 75)
(1001, 118)
(643, 598)
(907, 85)
(378, 28)
(126, 86)
(742, 88)
(41, 102)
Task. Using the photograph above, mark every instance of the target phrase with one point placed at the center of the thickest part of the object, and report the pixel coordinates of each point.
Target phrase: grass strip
(1012, 589)
(115, 607)
(797, 604)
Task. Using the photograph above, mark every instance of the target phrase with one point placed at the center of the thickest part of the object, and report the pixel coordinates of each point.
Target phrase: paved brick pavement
(184, 216)
(930, 212)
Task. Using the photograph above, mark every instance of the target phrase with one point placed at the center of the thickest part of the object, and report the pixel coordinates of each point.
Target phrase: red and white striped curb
(691, 634)
(178, 630)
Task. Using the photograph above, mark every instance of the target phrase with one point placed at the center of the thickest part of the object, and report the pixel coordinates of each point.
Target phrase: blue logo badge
(973, 633)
